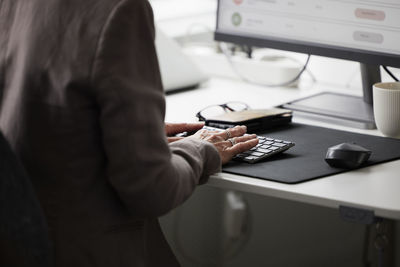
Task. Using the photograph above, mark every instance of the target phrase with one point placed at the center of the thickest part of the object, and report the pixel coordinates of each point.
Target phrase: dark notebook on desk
(305, 161)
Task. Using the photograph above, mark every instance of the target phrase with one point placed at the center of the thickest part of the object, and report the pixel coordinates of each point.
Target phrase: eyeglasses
(215, 110)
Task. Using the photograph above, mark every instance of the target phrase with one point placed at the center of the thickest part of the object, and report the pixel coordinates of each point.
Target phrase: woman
(83, 108)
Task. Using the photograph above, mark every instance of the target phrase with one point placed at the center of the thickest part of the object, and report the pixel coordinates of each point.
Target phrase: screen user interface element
(365, 25)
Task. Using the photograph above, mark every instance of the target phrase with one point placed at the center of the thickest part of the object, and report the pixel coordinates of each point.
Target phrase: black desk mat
(306, 160)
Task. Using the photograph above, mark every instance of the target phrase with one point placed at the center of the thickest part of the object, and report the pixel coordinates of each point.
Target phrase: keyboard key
(262, 150)
(279, 144)
(257, 154)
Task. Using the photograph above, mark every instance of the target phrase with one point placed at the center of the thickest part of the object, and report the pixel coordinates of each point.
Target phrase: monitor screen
(367, 31)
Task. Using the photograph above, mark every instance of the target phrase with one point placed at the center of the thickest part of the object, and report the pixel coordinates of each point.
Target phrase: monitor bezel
(362, 56)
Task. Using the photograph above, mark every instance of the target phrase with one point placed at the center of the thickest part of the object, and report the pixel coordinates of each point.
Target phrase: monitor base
(341, 109)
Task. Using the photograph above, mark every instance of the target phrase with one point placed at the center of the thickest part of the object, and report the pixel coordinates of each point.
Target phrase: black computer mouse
(347, 155)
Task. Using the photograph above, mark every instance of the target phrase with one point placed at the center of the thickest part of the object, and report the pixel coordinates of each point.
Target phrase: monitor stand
(341, 109)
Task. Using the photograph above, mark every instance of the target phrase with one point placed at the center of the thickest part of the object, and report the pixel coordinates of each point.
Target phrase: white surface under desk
(374, 188)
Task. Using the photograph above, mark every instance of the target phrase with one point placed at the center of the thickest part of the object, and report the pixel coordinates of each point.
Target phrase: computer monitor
(359, 30)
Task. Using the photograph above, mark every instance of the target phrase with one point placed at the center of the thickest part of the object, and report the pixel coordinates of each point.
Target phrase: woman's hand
(230, 142)
(171, 129)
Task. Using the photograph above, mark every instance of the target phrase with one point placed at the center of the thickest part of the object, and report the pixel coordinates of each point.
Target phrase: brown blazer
(83, 107)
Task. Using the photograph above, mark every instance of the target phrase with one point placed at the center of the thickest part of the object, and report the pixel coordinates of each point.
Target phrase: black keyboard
(265, 148)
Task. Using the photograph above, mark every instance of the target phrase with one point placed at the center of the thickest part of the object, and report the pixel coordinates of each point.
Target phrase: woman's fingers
(174, 139)
(232, 132)
(174, 128)
(233, 146)
(243, 145)
(230, 142)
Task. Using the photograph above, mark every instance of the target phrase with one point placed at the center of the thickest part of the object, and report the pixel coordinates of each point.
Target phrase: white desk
(373, 188)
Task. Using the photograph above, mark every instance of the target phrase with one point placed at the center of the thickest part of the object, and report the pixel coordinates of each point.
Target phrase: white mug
(387, 108)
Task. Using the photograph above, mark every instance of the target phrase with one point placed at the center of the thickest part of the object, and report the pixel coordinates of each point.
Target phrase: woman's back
(83, 107)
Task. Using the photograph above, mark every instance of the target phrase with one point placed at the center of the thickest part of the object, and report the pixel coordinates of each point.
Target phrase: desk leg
(379, 244)
(379, 236)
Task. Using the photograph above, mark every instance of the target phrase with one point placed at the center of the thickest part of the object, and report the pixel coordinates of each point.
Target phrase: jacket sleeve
(150, 176)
